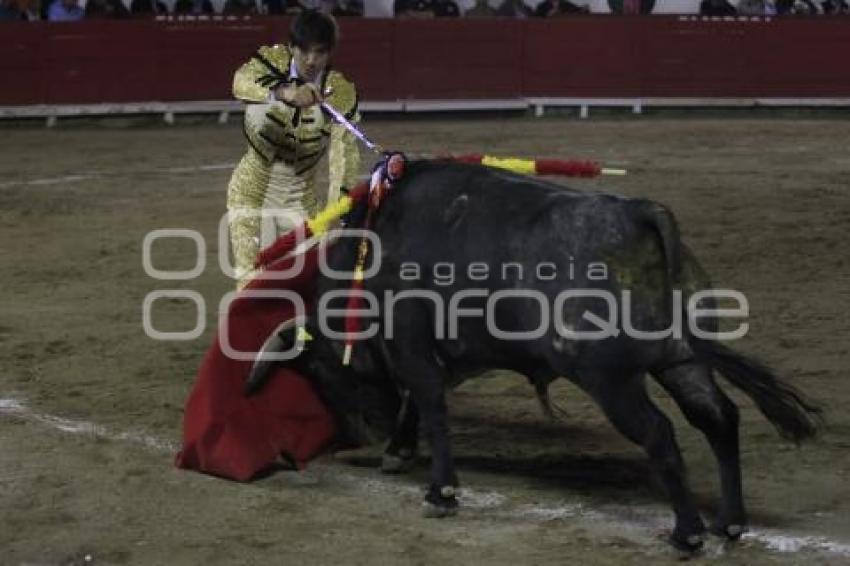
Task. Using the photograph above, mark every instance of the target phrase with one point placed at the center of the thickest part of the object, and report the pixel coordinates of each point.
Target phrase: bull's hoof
(400, 463)
(731, 531)
(440, 503)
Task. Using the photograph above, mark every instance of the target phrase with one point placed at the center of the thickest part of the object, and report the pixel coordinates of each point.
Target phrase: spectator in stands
(273, 7)
(558, 8)
(283, 7)
(835, 7)
(804, 8)
(751, 7)
(10, 12)
(106, 9)
(240, 8)
(144, 8)
(348, 8)
(28, 9)
(514, 9)
(65, 11)
(716, 8)
(325, 6)
(193, 7)
(413, 9)
(446, 9)
(481, 9)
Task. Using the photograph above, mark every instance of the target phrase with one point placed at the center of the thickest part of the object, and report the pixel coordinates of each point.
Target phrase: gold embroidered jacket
(298, 137)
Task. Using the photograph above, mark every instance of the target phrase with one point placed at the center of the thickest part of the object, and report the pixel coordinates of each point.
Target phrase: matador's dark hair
(312, 27)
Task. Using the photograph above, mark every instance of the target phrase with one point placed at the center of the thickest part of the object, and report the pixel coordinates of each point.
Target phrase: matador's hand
(300, 96)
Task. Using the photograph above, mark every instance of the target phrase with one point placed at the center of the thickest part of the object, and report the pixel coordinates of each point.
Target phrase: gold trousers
(264, 200)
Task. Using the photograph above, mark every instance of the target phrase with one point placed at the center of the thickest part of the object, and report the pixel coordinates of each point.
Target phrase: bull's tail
(664, 223)
(787, 409)
(783, 405)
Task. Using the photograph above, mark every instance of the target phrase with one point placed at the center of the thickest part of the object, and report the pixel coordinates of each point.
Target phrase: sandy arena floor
(90, 408)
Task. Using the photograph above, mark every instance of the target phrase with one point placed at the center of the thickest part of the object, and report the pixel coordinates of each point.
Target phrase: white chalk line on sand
(632, 519)
(80, 177)
(643, 521)
(19, 409)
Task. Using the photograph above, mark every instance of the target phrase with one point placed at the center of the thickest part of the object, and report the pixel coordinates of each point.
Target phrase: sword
(346, 123)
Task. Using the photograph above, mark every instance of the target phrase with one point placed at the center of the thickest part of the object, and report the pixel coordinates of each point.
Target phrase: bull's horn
(280, 340)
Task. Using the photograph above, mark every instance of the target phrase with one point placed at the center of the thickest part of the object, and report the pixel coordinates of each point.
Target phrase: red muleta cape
(229, 435)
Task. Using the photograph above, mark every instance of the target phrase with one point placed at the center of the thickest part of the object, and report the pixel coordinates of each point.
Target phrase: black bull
(463, 246)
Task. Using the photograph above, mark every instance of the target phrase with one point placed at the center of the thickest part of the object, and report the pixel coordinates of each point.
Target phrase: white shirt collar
(293, 73)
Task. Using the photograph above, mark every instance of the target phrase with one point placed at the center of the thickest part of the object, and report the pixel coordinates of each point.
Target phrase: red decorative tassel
(359, 191)
(561, 167)
(566, 168)
(473, 158)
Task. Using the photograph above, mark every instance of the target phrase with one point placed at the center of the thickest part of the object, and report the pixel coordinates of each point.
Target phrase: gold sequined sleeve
(268, 67)
(343, 153)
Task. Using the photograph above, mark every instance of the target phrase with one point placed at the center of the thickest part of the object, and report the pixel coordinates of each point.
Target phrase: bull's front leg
(425, 380)
(401, 451)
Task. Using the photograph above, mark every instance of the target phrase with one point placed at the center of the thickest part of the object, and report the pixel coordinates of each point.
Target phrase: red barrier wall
(591, 56)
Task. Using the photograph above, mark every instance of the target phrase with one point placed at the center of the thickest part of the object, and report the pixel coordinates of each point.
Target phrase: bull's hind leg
(629, 408)
(707, 408)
